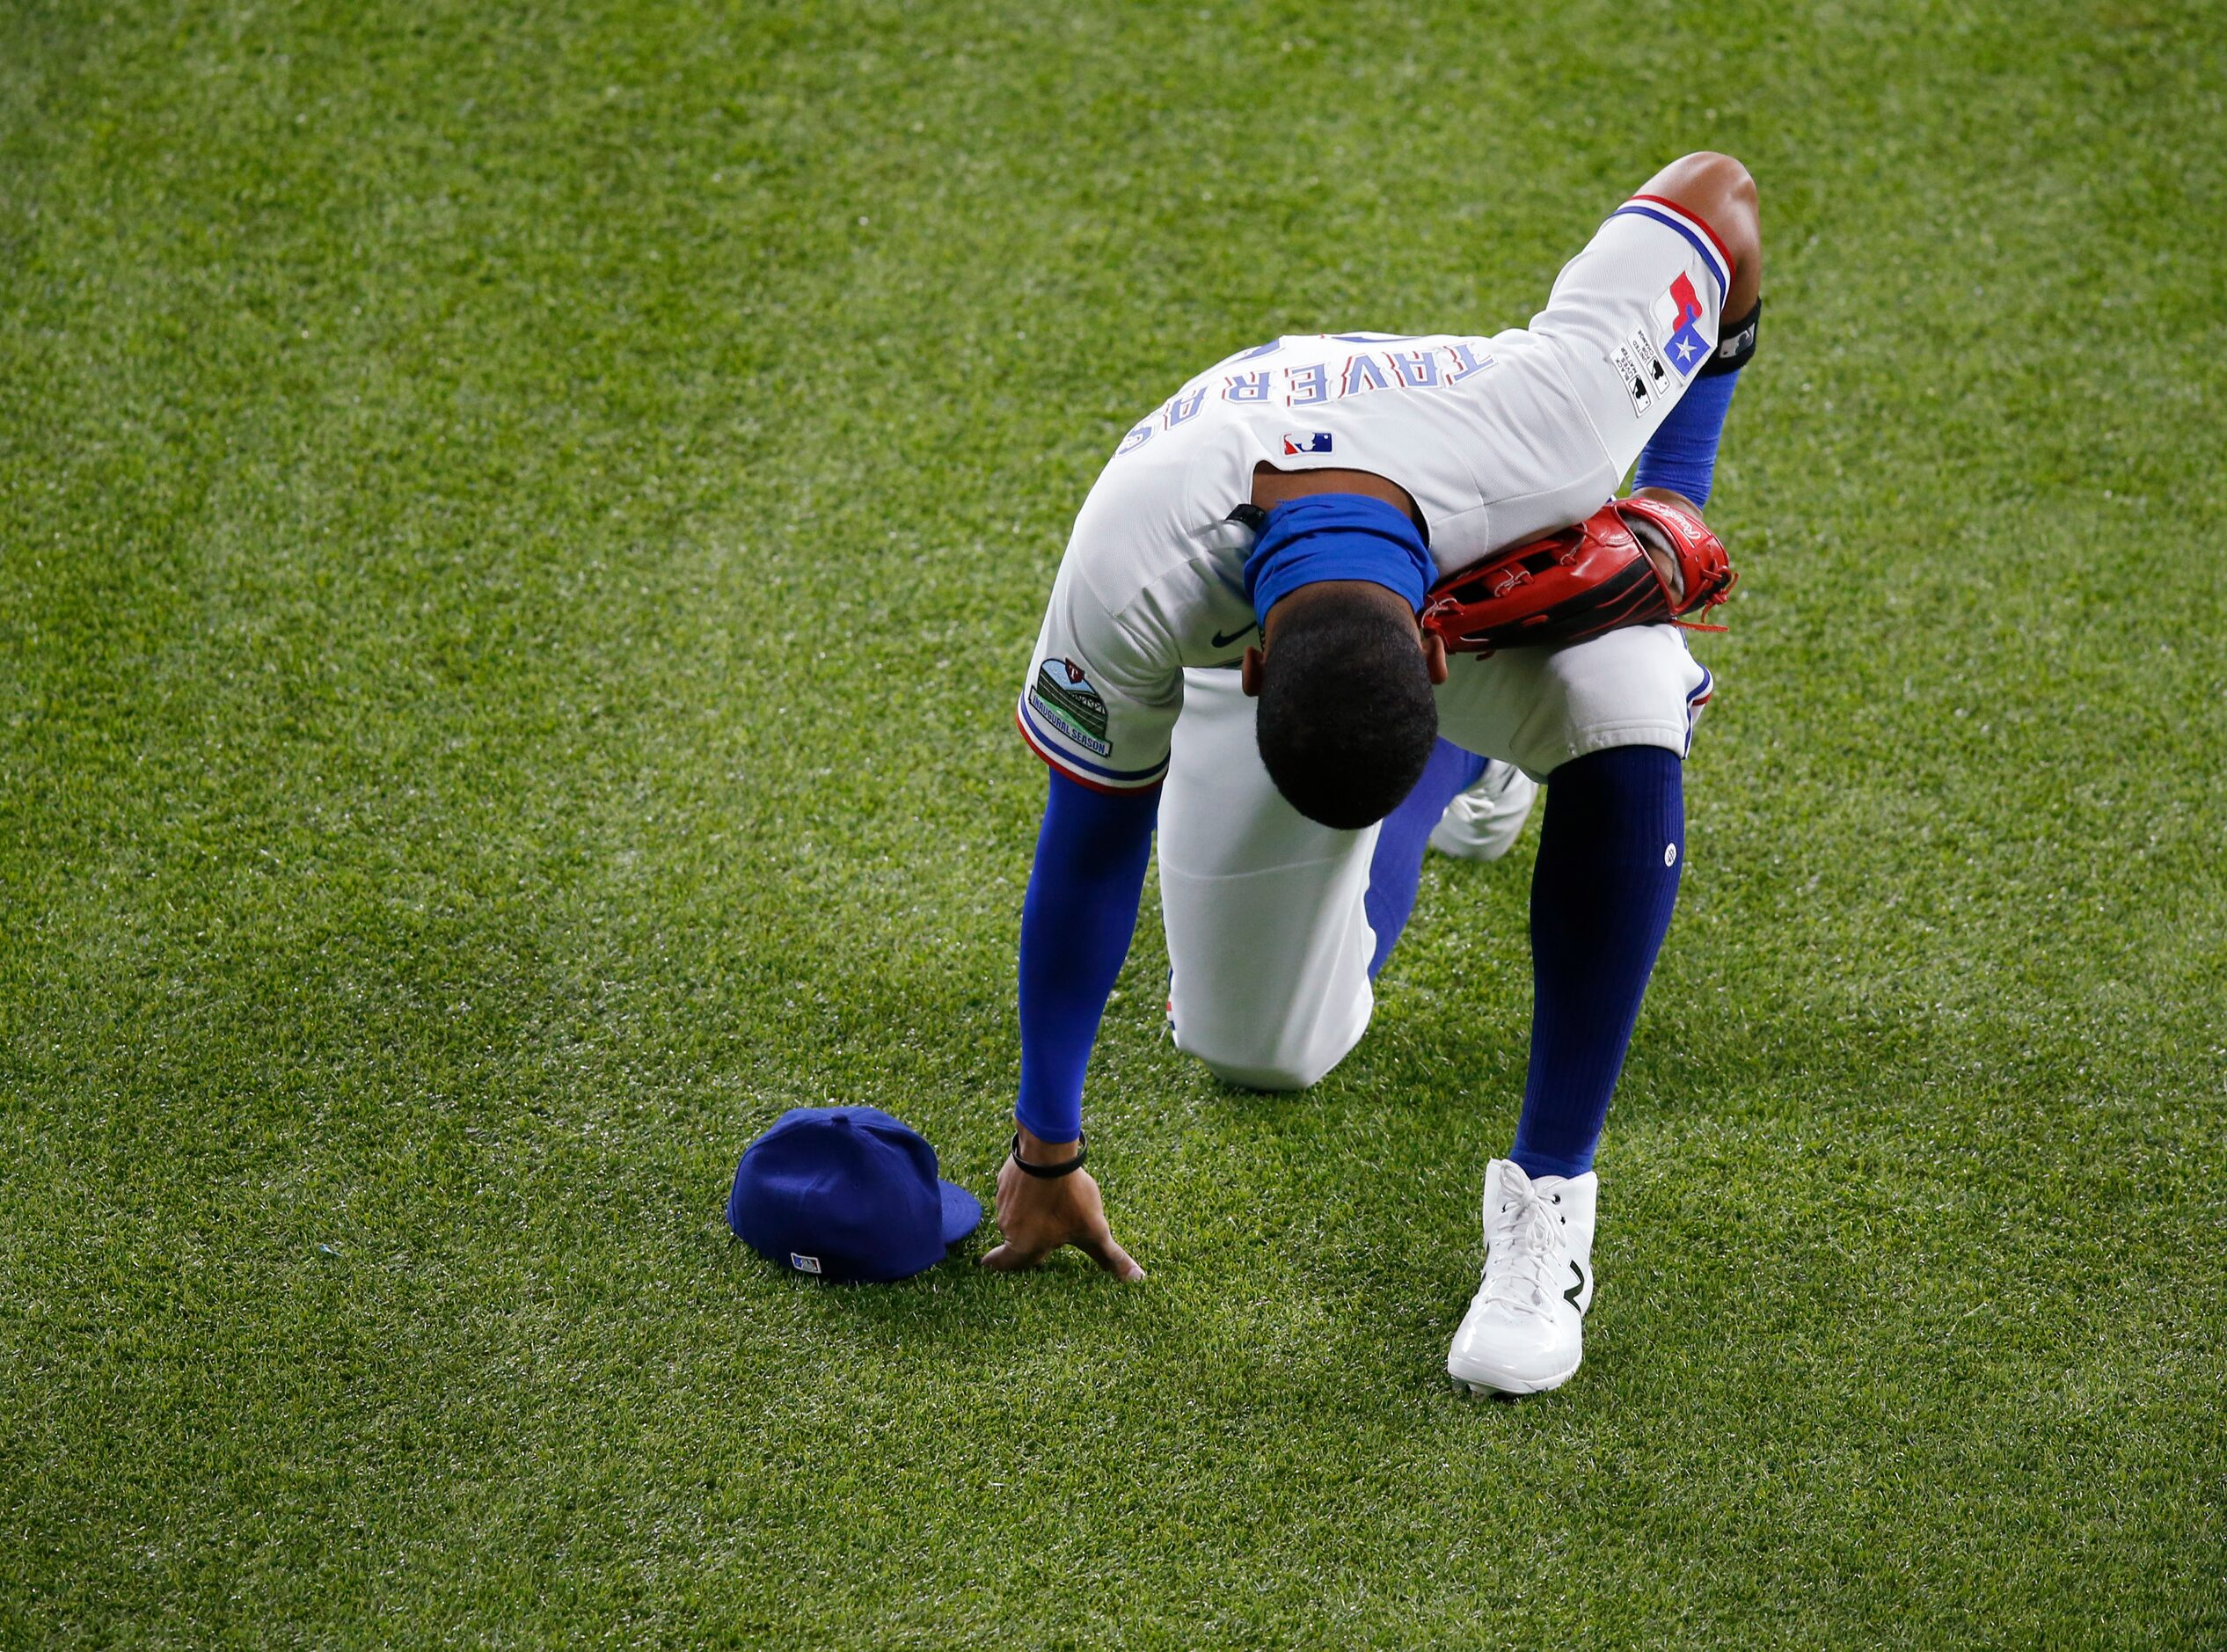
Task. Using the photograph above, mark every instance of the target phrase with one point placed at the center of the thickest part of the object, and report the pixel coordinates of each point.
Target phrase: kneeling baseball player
(1343, 595)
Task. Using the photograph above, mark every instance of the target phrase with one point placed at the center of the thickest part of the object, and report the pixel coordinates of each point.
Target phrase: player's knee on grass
(1287, 1037)
(1268, 1068)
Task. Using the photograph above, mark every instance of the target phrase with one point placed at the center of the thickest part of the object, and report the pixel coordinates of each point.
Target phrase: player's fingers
(1111, 1257)
(1006, 1259)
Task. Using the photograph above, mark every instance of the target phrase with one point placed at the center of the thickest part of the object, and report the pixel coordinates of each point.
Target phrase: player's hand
(1037, 1215)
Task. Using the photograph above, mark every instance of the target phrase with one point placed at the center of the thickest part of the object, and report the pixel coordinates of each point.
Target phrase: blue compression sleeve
(1075, 924)
(1682, 454)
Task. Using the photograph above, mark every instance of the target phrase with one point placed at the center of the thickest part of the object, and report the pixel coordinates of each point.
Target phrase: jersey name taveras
(1153, 580)
(1498, 440)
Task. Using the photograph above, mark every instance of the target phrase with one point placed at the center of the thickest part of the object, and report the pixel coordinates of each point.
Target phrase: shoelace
(1523, 1246)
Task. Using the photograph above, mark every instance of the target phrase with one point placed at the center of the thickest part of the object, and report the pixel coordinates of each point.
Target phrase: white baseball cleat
(1481, 823)
(1524, 1332)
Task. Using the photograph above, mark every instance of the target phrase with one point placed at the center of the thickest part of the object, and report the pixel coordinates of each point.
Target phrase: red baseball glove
(1583, 580)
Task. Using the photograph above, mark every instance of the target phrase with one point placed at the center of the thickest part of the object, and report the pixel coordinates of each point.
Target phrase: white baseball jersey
(1498, 440)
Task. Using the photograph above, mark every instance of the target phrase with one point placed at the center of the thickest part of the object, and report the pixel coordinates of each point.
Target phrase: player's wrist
(1039, 1149)
(1032, 1148)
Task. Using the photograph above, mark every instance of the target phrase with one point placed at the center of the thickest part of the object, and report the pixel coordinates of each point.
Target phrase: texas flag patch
(1317, 441)
(1677, 317)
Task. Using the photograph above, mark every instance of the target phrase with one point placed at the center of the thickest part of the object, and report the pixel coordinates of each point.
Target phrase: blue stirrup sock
(1682, 454)
(1611, 848)
(1076, 923)
(1396, 868)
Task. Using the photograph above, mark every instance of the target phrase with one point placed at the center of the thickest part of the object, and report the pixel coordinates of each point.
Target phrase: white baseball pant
(1266, 932)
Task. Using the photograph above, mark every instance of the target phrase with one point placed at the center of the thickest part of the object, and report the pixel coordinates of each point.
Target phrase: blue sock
(1397, 867)
(1682, 454)
(1607, 876)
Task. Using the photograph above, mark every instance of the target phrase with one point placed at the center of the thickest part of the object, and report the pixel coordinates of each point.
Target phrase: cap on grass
(847, 1192)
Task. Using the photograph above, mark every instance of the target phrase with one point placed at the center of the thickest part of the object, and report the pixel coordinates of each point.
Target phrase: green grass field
(519, 536)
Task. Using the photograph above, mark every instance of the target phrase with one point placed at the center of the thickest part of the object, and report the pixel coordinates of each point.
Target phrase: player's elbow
(1723, 191)
(1721, 175)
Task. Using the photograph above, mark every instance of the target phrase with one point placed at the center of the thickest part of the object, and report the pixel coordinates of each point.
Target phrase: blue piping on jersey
(1043, 742)
(1708, 253)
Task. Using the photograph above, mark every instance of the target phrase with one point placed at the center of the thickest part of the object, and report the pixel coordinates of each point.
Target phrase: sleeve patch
(1639, 365)
(1063, 697)
(1677, 317)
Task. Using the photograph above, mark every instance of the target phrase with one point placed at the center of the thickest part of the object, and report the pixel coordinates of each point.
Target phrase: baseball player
(1248, 648)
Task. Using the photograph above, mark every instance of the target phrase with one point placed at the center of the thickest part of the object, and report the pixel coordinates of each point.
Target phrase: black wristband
(1065, 1168)
(1736, 344)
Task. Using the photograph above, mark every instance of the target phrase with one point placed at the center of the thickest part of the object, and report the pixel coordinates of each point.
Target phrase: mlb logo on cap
(847, 1192)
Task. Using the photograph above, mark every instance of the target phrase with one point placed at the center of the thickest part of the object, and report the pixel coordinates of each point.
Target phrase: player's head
(1347, 719)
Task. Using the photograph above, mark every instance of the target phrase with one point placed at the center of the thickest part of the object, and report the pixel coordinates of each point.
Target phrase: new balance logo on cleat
(1524, 1332)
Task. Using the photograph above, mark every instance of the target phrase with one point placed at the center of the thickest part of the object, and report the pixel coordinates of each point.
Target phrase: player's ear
(1435, 656)
(1249, 671)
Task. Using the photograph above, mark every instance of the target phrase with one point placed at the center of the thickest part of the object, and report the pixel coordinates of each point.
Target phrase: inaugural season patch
(1063, 697)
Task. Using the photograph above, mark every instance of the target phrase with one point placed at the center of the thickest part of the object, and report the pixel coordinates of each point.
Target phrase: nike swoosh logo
(1221, 642)
(1572, 1295)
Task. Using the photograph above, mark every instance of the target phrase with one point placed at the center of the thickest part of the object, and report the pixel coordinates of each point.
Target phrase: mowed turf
(519, 536)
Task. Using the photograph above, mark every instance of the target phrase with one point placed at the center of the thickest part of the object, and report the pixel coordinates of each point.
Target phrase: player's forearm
(1076, 926)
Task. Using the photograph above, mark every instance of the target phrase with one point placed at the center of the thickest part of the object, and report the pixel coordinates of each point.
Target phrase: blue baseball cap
(847, 1192)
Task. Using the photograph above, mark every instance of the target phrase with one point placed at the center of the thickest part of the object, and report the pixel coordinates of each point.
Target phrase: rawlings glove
(1583, 580)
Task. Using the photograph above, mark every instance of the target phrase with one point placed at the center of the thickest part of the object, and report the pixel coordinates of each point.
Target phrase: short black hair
(1347, 719)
